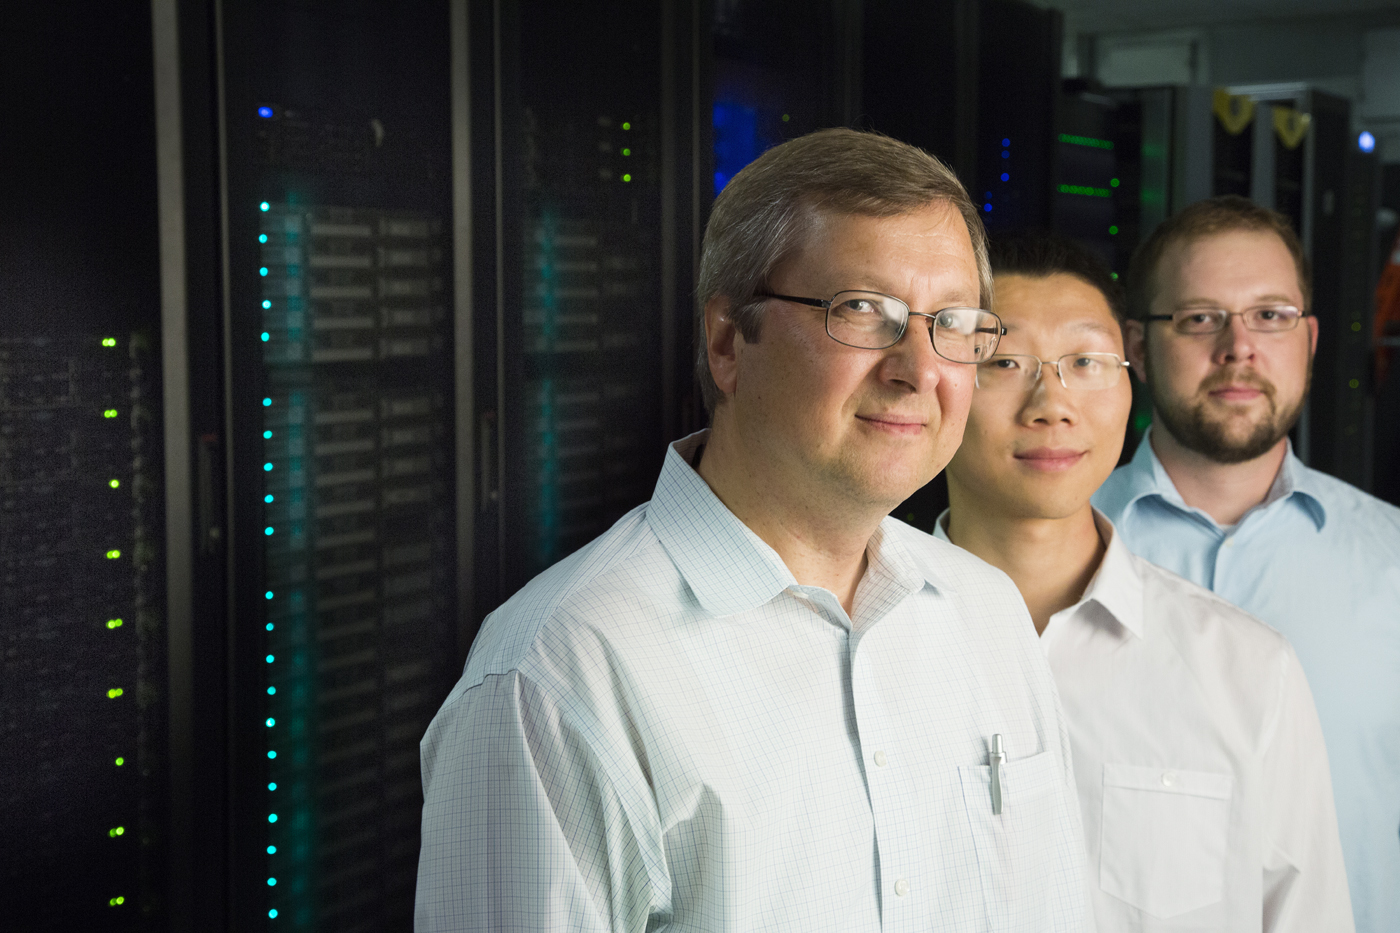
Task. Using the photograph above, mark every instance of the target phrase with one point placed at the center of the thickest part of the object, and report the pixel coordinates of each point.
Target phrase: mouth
(895, 425)
(1236, 393)
(1050, 459)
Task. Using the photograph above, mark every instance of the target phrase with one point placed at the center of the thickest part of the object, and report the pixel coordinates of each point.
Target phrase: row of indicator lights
(268, 595)
(1005, 176)
(626, 176)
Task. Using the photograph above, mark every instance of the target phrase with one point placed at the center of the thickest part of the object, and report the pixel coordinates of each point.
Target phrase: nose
(1234, 344)
(1049, 402)
(913, 363)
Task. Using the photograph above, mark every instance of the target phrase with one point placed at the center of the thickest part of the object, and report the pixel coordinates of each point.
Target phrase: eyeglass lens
(1085, 371)
(1267, 319)
(873, 321)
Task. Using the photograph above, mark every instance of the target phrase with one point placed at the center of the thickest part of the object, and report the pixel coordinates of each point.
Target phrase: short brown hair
(1222, 214)
(763, 216)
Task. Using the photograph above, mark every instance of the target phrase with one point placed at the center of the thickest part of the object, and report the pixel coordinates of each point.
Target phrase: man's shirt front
(1320, 562)
(1202, 772)
(667, 730)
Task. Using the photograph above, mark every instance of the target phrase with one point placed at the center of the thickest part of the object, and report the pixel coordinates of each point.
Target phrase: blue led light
(272, 786)
(266, 336)
(262, 271)
(267, 498)
(265, 112)
(267, 403)
(269, 626)
(268, 531)
(264, 206)
(271, 850)
(267, 467)
(987, 208)
(271, 691)
(271, 722)
(1005, 143)
(1366, 142)
(272, 817)
(266, 304)
(1005, 176)
(1005, 154)
(267, 595)
(270, 659)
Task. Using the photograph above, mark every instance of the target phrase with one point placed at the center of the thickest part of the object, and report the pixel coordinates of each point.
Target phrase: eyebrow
(1212, 303)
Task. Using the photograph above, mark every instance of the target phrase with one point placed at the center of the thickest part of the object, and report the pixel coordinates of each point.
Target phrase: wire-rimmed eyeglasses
(1084, 371)
(1264, 319)
(875, 321)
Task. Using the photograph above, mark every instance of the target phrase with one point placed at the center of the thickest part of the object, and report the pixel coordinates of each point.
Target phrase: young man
(1202, 774)
(720, 715)
(1220, 331)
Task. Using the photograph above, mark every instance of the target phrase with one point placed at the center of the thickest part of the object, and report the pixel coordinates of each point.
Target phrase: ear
(1135, 347)
(720, 344)
(1312, 334)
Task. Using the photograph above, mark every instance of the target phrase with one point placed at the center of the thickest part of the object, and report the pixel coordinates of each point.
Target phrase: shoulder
(617, 577)
(1192, 614)
(970, 582)
(1356, 512)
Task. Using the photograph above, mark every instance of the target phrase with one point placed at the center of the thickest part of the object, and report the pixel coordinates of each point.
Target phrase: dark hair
(765, 213)
(1222, 214)
(1039, 255)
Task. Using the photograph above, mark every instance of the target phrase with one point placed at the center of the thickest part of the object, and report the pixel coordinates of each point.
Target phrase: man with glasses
(1202, 774)
(758, 702)
(1220, 332)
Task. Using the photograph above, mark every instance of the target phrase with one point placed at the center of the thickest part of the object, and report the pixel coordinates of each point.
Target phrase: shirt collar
(728, 567)
(1116, 585)
(1145, 476)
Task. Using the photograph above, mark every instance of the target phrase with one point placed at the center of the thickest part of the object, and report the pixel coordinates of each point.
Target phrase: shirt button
(1168, 778)
(1230, 542)
(901, 887)
(880, 759)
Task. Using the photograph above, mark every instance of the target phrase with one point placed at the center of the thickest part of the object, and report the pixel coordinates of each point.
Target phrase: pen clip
(997, 758)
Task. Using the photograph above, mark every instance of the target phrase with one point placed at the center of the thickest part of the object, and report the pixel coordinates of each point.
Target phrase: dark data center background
(327, 324)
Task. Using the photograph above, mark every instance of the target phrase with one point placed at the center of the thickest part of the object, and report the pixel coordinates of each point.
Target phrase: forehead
(1232, 265)
(1053, 304)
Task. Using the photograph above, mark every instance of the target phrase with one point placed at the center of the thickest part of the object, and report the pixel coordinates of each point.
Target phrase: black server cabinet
(335, 124)
(83, 697)
(587, 194)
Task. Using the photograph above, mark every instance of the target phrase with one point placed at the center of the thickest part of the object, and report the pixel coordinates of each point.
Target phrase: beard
(1199, 425)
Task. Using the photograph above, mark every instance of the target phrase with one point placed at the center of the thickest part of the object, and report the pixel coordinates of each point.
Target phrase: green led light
(786, 118)
(113, 554)
(1089, 141)
(116, 831)
(1113, 182)
(114, 693)
(626, 177)
(1115, 276)
(109, 341)
(1086, 190)
(114, 483)
(1356, 325)
(116, 902)
(120, 762)
(114, 623)
(626, 126)
(627, 152)
(110, 413)
(1112, 231)
(1354, 383)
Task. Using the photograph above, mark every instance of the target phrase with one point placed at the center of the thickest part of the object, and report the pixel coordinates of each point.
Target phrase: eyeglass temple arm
(810, 302)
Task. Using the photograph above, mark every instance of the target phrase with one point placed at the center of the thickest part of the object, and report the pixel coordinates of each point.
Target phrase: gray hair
(765, 213)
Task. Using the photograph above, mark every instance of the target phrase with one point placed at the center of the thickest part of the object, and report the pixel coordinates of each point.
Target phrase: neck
(1224, 491)
(1051, 560)
(820, 541)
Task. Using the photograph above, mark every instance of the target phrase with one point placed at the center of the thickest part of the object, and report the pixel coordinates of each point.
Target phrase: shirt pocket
(1016, 849)
(1164, 837)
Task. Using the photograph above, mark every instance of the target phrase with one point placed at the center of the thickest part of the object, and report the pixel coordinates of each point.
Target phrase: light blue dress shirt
(666, 731)
(1319, 560)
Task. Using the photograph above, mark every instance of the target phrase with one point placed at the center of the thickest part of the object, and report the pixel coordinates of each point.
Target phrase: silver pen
(997, 758)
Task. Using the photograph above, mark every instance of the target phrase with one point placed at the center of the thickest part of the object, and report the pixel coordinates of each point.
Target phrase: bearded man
(1220, 330)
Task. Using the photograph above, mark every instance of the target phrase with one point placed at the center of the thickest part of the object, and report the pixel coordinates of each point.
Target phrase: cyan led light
(267, 435)
(272, 754)
(271, 722)
(269, 659)
(271, 882)
(262, 270)
(267, 467)
(272, 913)
(272, 817)
(267, 498)
(264, 206)
(269, 626)
(267, 595)
(266, 336)
(267, 403)
(271, 850)
(271, 691)
(262, 237)
(268, 531)
(272, 786)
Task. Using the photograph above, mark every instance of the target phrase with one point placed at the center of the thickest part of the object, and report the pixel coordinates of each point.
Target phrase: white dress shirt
(667, 731)
(1203, 777)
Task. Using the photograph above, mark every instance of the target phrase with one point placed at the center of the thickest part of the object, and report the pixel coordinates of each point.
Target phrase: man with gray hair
(757, 702)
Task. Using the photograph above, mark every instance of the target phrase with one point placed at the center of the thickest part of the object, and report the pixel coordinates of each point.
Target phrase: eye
(1086, 362)
(859, 306)
(1004, 363)
(1269, 314)
(1200, 317)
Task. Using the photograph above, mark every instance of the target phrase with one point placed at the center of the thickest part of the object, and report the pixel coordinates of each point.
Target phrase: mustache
(1238, 377)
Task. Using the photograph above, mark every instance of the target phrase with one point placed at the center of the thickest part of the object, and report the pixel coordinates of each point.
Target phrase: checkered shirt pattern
(665, 731)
